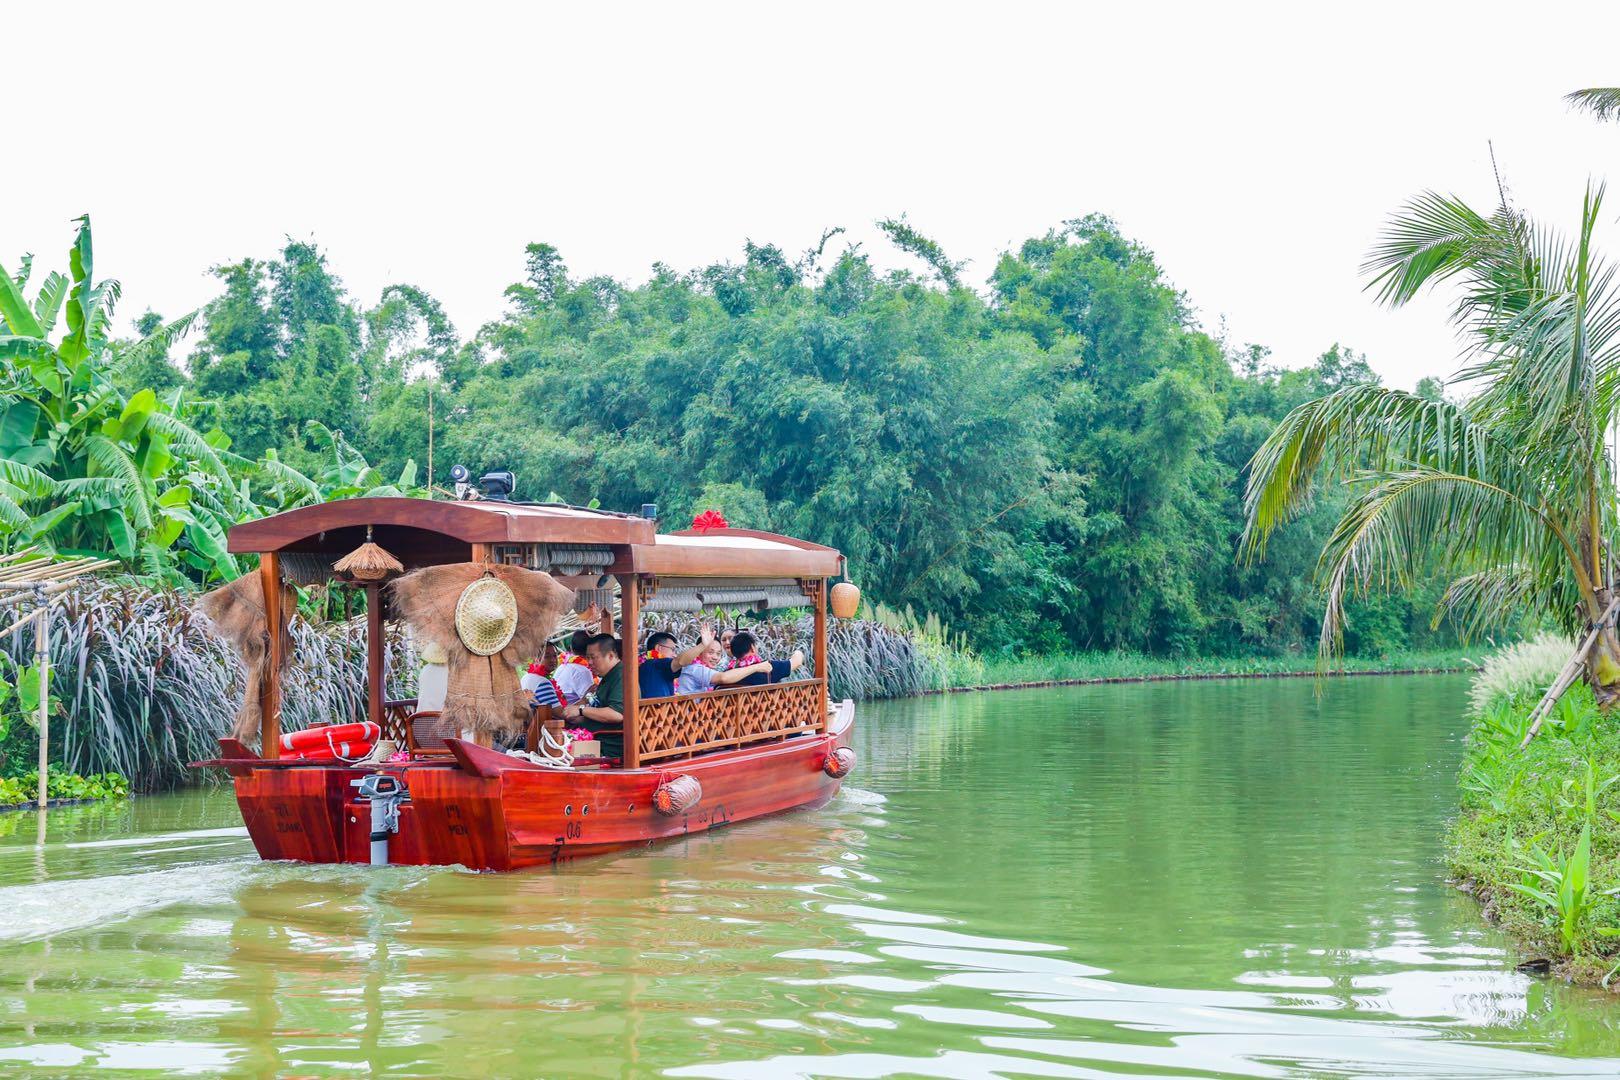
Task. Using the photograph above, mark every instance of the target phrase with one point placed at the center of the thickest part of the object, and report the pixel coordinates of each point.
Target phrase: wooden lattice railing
(738, 716)
(396, 719)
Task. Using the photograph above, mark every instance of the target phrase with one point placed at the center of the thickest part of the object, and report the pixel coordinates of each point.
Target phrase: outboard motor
(385, 793)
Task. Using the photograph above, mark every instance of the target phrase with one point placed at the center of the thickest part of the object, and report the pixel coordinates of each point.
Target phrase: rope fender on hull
(677, 795)
(839, 763)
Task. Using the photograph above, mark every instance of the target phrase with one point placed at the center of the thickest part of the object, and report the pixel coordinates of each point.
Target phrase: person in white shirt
(571, 674)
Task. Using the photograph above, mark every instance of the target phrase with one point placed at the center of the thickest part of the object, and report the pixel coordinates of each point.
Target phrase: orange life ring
(330, 735)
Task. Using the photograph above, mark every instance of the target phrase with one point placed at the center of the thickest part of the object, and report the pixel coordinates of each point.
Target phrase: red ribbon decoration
(709, 519)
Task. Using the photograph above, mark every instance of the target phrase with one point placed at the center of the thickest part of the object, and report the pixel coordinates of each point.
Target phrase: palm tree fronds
(1603, 102)
(192, 442)
(1405, 518)
(1361, 427)
(287, 479)
(35, 482)
(160, 340)
(12, 516)
(1475, 602)
(48, 304)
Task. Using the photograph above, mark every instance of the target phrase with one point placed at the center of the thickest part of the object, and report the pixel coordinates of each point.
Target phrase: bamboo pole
(20, 553)
(374, 654)
(19, 597)
(42, 660)
(21, 574)
(1566, 676)
(21, 622)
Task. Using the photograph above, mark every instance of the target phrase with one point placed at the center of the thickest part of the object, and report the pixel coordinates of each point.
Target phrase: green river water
(1194, 879)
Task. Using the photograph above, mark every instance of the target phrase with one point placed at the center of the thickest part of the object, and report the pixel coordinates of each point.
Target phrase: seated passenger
(743, 655)
(709, 670)
(602, 713)
(560, 678)
(658, 671)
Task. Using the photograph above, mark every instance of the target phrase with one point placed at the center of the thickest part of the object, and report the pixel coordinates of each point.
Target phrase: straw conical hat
(486, 616)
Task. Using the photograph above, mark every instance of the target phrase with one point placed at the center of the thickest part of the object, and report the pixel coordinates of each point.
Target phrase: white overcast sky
(1255, 149)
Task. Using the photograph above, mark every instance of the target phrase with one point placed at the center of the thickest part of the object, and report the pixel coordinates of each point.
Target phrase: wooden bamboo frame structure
(28, 577)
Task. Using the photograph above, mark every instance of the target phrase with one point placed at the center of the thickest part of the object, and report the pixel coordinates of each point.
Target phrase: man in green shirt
(602, 714)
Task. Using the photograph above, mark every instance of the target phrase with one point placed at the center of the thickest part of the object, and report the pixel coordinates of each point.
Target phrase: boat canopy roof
(471, 522)
(565, 539)
(734, 553)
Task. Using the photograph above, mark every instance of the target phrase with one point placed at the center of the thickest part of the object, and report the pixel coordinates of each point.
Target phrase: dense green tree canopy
(1053, 461)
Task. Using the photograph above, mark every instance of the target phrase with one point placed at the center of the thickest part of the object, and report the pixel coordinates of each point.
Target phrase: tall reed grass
(141, 686)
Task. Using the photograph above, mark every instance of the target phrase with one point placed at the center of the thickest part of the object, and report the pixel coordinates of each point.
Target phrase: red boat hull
(487, 811)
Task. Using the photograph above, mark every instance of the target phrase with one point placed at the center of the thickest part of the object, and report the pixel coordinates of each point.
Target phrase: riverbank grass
(1538, 837)
(967, 670)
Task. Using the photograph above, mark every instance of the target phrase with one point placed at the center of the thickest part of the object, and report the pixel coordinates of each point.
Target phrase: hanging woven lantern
(846, 600)
(368, 562)
(486, 616)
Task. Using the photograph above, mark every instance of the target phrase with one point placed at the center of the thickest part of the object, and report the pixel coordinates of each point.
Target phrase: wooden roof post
(819, 598)
(42, 662)
(629, 642)
(375, 688)
(275, 625)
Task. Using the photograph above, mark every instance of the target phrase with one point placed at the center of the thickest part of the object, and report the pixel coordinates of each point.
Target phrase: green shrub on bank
(61, 785)
(1538, 839)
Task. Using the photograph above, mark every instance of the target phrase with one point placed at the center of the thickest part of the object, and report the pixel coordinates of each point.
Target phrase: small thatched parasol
(368, 562)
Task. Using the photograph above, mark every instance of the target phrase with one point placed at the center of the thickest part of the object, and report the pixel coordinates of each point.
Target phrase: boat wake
(61, 906)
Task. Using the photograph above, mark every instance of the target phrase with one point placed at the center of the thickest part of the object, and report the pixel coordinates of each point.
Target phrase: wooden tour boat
(691, 762)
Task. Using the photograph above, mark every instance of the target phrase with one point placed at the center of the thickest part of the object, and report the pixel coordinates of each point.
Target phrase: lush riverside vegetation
(975, 671)
(1052, 467)
(1538, 840)
(23, 790)
(1052, 464)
